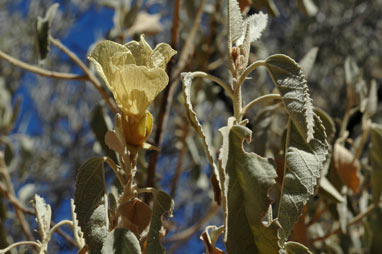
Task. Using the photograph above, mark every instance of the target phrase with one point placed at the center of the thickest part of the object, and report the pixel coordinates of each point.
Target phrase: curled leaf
(136, 215)
(191, 115)
(248, 180)
(43, 216)
(296, 248)
(121, 241)
(347, 168)
(292, 85)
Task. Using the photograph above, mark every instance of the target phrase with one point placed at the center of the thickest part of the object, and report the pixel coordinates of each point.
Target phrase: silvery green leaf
(121, 241)
(256, 24)
(43, 216)
(304, 161)
(91, 203)
(235, 20)
(163, 204)
(186, 78)
(292, 85)
(249, 178)
(307, 62)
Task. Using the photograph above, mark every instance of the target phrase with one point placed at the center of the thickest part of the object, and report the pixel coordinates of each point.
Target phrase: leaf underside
(163, 204)
(191, 115)
(248, 180)
(89, 200)
(121, 241)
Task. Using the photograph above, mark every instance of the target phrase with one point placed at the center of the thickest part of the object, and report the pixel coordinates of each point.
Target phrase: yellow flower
(135, 74)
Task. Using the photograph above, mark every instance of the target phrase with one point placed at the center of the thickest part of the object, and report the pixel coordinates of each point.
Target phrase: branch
(355, 220)
(40, 71)
(249, 69)
(3, 251)
(11, 192)
(90, 76)
(259, 100)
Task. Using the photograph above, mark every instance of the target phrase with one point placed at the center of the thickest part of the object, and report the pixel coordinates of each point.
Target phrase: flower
(135, 74)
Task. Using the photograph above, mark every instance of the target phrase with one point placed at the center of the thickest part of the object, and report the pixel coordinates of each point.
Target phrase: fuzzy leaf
(304, 162)
(307, 62)
(163, 204)
(256, 24)
(43, 216)
(235, 19)
(89, 199)
(376, 161)
(291, 83)
(191, 115)
(136, 215)
(43, 31)
(296, 248)
(248, 180)
(121, 241)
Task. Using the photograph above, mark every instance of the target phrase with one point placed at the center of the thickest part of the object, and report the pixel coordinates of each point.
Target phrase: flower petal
(162, 55)
(141, 51)
(135, 88)
(106, 55)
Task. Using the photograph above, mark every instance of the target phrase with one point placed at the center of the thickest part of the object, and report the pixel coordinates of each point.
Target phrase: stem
(19, 213)
(249, 69)
(59, 224)
(146, 190)
(224, 85)
(114, 167)
(90, 76)
(237, 103)
(168, 93)
(259, 100)
(40, 71)
(355, 220)
(3, 251)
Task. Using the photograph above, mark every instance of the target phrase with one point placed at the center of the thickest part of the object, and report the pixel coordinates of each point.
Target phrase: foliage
(292, 168)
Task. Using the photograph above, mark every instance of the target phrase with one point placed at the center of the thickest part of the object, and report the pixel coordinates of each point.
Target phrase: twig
(355, 220)
(19, 213)
(184, 235)
(14, 201)
(259, 100)
(89, 75)
(3, 251)
(168, 94)
(40, 71)
(249, 69)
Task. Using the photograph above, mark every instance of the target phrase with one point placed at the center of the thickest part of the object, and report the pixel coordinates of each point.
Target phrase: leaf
(256, 24)
(235, 21)
(307, 62)
(308, 7)
(191, 115)
(372, 101)
(327, 122)
(90, 201)
(136, 215)
(100, 124)
(43, 216)
(296, 248)
(43, 31)
(209, 237)
(145, 23)
(304, 161)
(163, 204)
(328, 190)
(291, 83)
(376, 161)
(121, 241)
(248, 180)
(347, 168)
